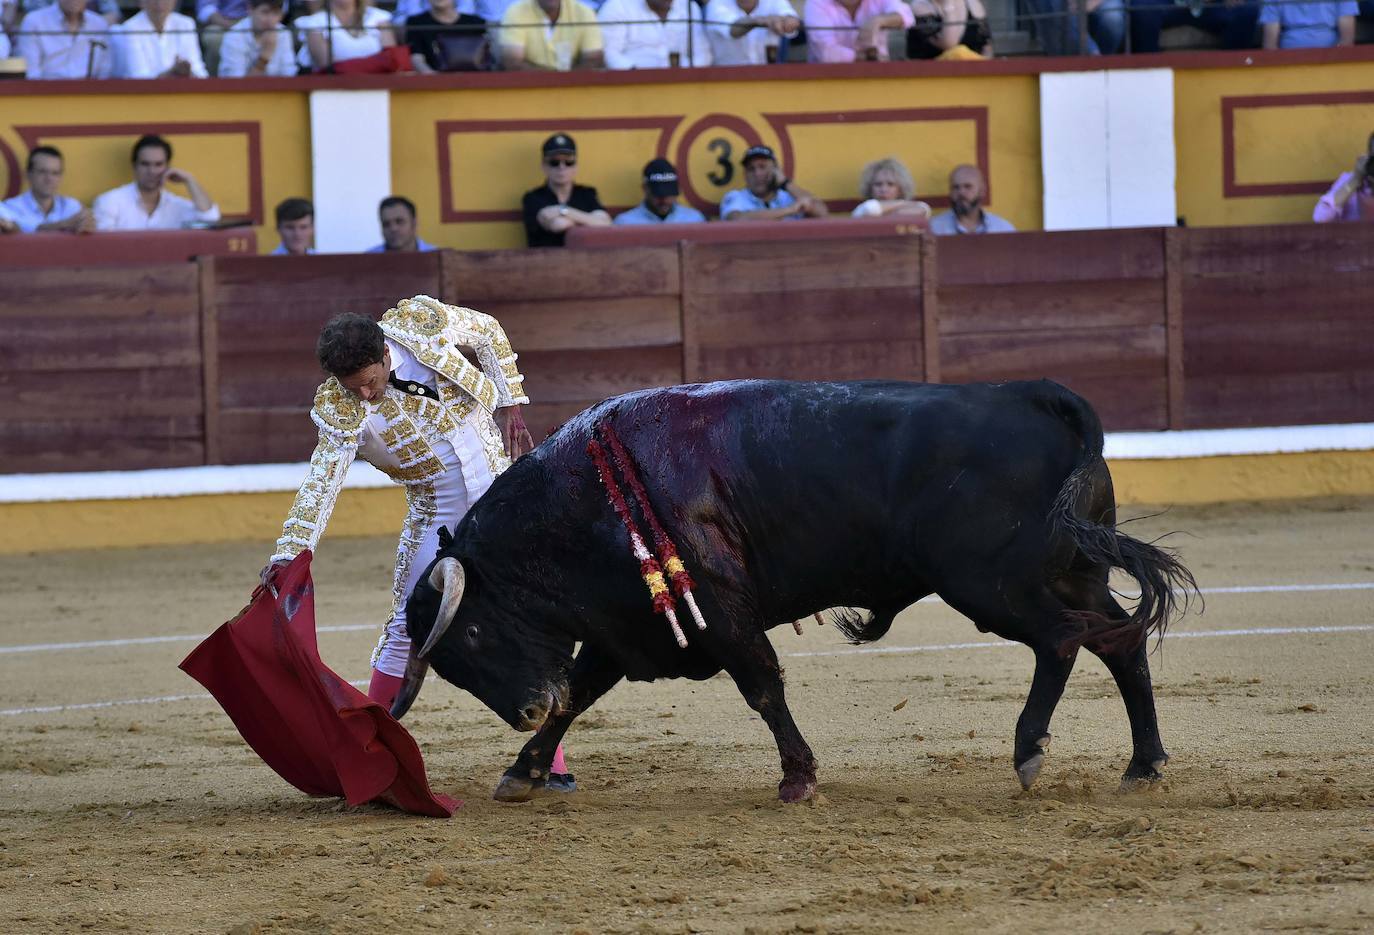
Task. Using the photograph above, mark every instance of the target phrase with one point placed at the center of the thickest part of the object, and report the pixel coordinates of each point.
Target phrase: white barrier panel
(350, 139)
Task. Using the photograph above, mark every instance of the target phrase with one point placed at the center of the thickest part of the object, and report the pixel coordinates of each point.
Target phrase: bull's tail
(1084, 511)
(859, 626)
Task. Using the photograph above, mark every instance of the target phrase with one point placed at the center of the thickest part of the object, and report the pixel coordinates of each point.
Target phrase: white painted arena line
(145, 640)
(856, 651)
(348, 628)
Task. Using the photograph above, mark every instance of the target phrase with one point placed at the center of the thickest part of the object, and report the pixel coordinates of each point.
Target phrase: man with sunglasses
(559, 205)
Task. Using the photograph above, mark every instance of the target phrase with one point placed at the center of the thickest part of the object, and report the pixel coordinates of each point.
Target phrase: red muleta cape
(317, 731)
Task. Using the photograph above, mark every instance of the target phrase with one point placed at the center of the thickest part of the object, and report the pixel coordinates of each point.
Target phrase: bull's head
(475, 638)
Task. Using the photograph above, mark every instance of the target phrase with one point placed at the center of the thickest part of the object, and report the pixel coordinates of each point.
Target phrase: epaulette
(338, 409)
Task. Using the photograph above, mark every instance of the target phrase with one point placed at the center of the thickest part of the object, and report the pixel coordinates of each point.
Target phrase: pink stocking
(383, 687)
(559, 766)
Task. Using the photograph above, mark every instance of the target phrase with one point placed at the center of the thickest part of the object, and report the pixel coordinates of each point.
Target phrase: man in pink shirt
(852, 30)
(1352, 197)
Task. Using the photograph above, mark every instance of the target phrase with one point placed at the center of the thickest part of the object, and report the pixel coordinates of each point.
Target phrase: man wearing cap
(559, 205)
(660, 199)
(768, 195)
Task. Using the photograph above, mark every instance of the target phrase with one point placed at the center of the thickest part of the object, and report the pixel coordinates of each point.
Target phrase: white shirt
(24, 210)
(120, 210)
(53, 52)
(142, 52)
(748, 49)
(343, 43)
(240, 50)
(647, 44)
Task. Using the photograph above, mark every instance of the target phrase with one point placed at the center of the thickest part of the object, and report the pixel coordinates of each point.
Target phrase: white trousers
(438, 503)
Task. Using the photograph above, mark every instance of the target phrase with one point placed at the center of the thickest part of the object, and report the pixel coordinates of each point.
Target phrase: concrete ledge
(48, 526)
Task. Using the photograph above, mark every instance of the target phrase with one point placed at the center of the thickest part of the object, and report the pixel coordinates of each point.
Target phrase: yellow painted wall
(929, 123)
(208, 132)
(1300, 140)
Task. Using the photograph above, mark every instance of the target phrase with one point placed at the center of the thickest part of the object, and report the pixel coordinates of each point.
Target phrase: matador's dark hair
(349, 343)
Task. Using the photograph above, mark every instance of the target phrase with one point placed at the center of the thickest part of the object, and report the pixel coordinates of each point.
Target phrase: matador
(402, 396)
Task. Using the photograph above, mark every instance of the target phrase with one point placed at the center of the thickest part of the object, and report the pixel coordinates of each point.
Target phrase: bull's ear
(445, 537)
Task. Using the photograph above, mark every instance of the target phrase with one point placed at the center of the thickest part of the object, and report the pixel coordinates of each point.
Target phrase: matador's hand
(514, 435)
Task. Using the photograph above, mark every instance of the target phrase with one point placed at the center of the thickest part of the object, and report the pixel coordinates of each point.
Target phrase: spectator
(660, 199)
(888, 189)
(8, 225)
(850, 30)
(405, 9)
(1056, 26)
(552, 35)
(654, 34)
(216, 17)
(258, 44)
(747, 32)
(157, 43)
(400, 228)
(944, 25)
(41, 208)
(768, 195)
(437, 38)
(65, 40)
(1308, 24)
(1351, 198)
(15, 10)
(557, 206)
(145, 203)
(967, 189)
(348, 29)
(295, 227)
(1232, 20)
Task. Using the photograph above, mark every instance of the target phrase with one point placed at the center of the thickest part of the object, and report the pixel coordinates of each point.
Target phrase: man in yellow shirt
(550, 35)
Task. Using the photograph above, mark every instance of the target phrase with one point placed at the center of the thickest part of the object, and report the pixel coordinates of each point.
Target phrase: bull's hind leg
(593, 674)
(1034, 617)
(1131, 669)
(1033, 727)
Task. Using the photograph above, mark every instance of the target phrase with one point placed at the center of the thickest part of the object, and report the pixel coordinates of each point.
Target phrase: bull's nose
(533, 713)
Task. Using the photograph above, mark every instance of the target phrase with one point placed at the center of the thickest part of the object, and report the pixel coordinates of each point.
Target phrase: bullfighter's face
(484, 648)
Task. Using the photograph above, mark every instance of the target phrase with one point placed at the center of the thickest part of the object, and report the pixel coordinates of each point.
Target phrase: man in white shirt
(41, 208)
(158, 43)
(145, 204)
(295, 227)
(258, 44)
(65, 40)
(746, 32)
(653, 34)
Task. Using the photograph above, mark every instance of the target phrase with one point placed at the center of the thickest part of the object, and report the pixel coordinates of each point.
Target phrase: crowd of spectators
(549, 211)
(241, 38)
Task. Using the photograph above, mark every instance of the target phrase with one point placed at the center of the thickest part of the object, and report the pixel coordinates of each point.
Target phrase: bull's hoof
(1029, 769)
(516, 788)
(1141, 776)
(797, 790)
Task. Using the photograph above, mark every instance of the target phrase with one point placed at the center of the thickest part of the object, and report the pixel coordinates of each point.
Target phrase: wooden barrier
(826, 310)
(586, 325)
(1278, 325)
(1076, 307)
(264, 314)
(177, 364)
(101, 368)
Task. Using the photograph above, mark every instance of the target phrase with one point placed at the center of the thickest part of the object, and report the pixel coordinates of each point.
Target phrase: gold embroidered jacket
(433, 332)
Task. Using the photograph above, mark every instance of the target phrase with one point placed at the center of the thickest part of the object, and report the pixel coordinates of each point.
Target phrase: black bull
(786, 499)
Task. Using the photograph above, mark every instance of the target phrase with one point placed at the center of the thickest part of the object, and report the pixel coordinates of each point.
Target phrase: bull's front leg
(758, 676)
(593, 674)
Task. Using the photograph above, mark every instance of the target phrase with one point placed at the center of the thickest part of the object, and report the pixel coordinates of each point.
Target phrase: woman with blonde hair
(888, 189)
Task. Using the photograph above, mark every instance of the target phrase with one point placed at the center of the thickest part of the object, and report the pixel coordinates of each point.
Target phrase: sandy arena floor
(154, 817)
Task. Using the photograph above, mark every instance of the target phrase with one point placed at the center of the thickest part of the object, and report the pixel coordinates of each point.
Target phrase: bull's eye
(472, 634)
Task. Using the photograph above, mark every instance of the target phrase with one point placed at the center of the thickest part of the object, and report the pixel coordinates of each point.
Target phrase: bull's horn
(447, 578)
(410, 685)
